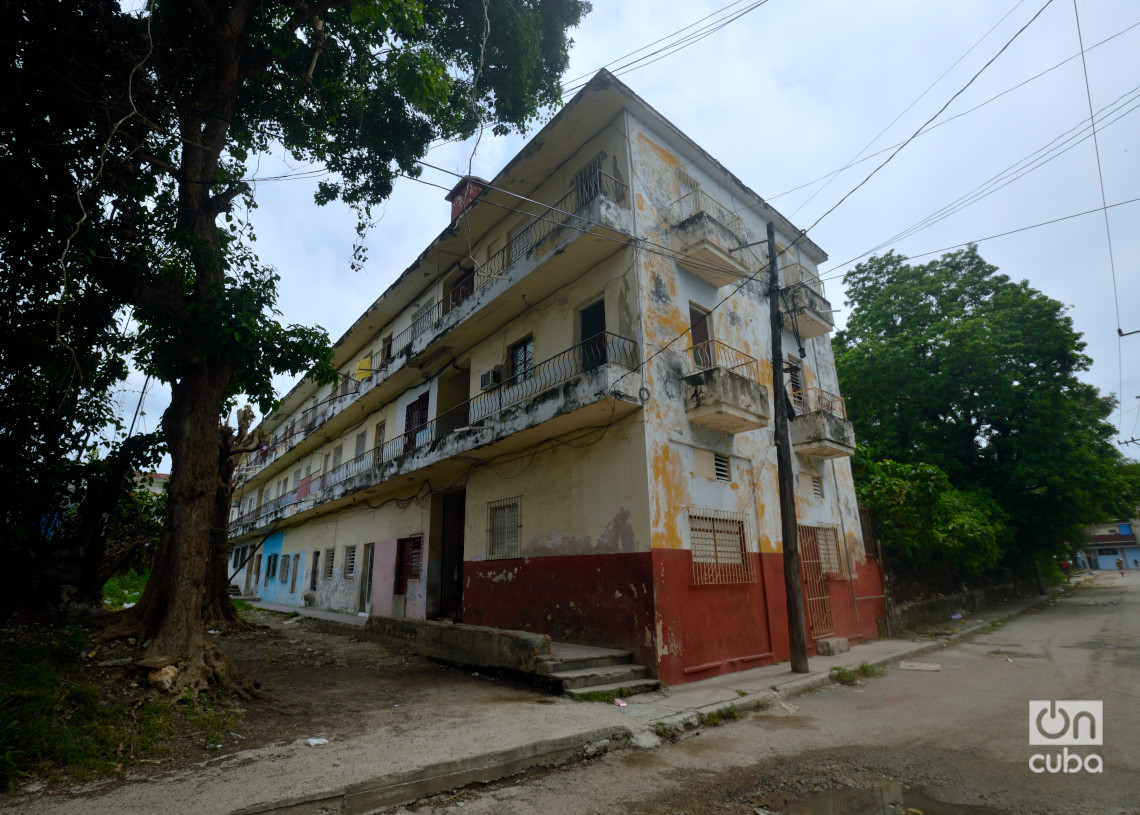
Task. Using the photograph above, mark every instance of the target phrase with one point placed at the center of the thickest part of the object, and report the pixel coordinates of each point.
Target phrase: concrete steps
(583, 669)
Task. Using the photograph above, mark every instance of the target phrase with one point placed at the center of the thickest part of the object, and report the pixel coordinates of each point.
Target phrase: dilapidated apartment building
(548, 423)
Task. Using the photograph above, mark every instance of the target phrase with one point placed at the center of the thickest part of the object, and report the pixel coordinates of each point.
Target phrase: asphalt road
(961, 733)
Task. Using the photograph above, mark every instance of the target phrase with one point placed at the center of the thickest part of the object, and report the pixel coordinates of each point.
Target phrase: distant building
(1107, 542)
(550, 423)
(154, 482)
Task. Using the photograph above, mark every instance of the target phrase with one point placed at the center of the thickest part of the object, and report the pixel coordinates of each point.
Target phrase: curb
(412, 785)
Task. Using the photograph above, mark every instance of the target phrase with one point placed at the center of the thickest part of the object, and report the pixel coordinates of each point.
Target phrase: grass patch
(241, 605)
(763, 704)
(601, 696)
(48, 720)
(661, 730)
(125, 588)
(847, 676)
(728, 713)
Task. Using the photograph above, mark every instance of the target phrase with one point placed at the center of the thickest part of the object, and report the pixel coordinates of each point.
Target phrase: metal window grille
(722, 468)
(796, 382)
(826, 539)
(284, 575)
(503, 528)
(350, 561)
(817, 486)
(409, 562)
(338, 455)
(329, 563)
(361, 440)
(719, 547)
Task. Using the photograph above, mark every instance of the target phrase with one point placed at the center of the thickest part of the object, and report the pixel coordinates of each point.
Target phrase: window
(284, 571)
(409, 562)
(338, 455)
(297, 478)
(296, 568)
(719, 547)
(386, 348)
(503, 528)
(344, 386)
(361, 441)
(350, 562)
(587, 182)
(314, 571)
(522, 359)
(820, 543)
(1103, 552)
(722, 468)
(329, 562)
(282, 486)
(270, 568)
(519, 243)
(379, 435)
(817, 486)
(237, 556)
(688, 197)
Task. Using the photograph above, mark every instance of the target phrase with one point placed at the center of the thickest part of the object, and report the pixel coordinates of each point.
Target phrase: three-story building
(558, 419)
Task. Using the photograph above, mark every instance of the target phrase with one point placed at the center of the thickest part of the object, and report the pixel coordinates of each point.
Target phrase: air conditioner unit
(489, 379)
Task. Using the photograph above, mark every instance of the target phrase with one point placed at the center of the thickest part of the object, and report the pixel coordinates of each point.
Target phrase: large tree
(954, 365)
(179, 97)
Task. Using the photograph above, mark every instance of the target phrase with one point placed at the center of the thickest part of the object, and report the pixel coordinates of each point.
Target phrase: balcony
(820, 429)
(575, 389)
(592, 216)
(706, 232)
(804, 301)
(723, 390)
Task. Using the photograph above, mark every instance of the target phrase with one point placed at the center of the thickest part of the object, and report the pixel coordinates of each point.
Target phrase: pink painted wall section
(603, 600)
(383, 577)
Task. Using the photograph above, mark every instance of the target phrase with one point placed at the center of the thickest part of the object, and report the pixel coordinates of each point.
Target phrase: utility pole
(797, 635)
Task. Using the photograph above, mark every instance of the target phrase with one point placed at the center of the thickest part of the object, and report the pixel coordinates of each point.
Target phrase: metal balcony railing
(598, 350)
(700, 201)
(796, 274)
(716, 354)
(815, 400)
(588, 186)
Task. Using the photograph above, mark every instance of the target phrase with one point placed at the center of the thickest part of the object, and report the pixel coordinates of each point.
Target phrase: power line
(1103, 201)
(932, 118)
(948, 120)
(917, 99)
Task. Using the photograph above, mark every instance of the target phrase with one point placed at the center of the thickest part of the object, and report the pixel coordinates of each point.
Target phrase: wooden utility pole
(797, 635)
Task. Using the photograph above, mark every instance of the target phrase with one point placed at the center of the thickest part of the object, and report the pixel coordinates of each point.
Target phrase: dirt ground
(316, 681)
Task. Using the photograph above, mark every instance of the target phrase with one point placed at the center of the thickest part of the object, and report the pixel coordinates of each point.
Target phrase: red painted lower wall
(602, 600)
(646, 603)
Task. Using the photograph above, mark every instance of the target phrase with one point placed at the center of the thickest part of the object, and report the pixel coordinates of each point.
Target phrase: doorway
(451, 556)
(817, 600)
(701, 331)
(415, 417)
(366, 583)
(591, 330)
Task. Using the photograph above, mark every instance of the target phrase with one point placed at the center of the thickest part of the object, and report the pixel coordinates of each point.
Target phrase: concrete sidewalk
(507, 732)
(479, 750)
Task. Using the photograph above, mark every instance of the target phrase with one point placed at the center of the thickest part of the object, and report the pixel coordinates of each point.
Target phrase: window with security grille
(329, 563)
(350, 561)
(361, 440)
(503, 528)
(825, 539)
(338, 455)
(817, 486)
(719, 546)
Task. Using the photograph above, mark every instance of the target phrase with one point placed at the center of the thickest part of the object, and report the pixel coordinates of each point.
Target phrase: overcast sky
(788, 93)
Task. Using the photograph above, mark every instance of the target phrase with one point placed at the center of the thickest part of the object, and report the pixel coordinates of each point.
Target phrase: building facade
(558, 419)
(1112, 542)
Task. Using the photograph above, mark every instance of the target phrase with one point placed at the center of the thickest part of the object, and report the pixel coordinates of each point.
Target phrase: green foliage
(125, 588)
(843, 676)
(728, 713)
(976, 431)
(50, 720)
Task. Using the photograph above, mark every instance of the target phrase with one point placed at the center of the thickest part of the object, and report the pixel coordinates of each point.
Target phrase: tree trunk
(169, 613)
(217, 609)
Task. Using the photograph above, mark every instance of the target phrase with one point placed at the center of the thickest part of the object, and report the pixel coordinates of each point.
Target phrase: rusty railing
(585, 356)
(796, 274)
(589, 186)
(716, 354)
(815, 400)
(700, 201)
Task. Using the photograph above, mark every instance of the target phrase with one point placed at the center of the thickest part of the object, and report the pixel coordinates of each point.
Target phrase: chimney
(464, 193)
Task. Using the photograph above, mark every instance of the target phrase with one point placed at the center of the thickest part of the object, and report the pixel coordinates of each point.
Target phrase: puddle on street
(886, 798)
